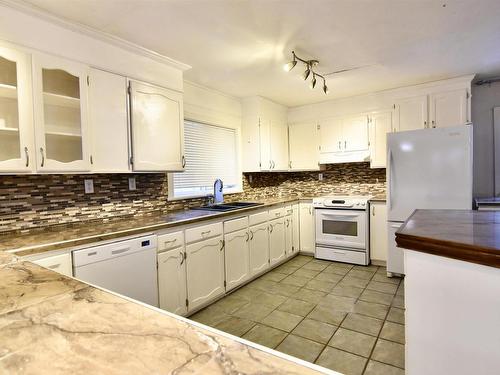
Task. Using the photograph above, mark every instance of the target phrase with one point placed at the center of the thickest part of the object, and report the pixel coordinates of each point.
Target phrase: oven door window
(340, 227)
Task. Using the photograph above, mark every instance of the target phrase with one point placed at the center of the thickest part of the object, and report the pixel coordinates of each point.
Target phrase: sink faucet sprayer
(218, 194)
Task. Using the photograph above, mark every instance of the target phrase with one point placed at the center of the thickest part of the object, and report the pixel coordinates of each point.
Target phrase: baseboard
(381, 263)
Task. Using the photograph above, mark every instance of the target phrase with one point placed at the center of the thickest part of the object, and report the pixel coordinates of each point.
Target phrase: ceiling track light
(310, 64)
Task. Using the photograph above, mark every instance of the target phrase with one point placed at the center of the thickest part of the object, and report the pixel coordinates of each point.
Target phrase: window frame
(238, 189)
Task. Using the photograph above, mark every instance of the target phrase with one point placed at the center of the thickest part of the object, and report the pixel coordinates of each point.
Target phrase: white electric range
(342, 229)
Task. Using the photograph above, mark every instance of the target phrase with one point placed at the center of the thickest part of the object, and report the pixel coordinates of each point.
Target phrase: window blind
(211, 153)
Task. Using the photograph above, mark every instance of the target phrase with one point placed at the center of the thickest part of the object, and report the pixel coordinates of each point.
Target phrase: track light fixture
(310, 64)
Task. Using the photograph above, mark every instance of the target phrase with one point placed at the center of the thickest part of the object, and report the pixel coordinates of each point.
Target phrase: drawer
(203, 232)
(235, 224)
(170, 240)
(258, 218)
(341, 255)
(276, 213)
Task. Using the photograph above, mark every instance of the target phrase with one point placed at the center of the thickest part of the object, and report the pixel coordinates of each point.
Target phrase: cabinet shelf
(61, 100)
(63, 134)
(8, 91)
(9, 131)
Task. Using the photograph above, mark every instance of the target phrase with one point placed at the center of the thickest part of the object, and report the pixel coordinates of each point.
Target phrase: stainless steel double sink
(222, 207)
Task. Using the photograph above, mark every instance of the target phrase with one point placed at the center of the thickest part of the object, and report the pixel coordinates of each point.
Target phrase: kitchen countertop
(378, 198)
(53, 324)
(467, 235)
(67, 236)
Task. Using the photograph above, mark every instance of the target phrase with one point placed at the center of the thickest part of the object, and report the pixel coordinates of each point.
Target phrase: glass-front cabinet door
(61, 126)
(16, 112)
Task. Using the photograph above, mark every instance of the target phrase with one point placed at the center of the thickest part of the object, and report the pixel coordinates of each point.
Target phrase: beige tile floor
(343, 317)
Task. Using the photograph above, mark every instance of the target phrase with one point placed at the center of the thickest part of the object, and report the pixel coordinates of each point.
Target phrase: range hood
(344, 157)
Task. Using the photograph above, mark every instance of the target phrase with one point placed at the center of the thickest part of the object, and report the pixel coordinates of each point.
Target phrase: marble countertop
(53, 324)
(378, 198)
(471, 236)
(67, 236)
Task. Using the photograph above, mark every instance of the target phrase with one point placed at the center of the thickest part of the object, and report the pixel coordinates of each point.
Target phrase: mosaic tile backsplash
(34, 201)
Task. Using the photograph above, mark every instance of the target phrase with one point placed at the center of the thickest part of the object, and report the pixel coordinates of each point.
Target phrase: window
(211, 153)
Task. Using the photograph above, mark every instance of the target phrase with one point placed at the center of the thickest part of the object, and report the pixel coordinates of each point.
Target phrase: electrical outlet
(320, 176)
(131, 183)
(250, 179)
(89, 186)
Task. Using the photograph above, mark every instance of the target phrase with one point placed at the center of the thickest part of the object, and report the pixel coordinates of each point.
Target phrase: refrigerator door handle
(391, 178)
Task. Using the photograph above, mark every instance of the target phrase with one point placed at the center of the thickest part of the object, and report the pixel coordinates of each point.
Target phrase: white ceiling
(239, 46)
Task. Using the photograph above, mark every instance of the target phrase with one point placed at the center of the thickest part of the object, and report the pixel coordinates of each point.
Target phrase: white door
(429, 169)
(355, 133)
(448, 108)
(380, 124)
(279, 146)
(395, 255)
(296, 227)
(58, 263)
(378, 231)
(108, 122)
(330, 131)
(259, 248)
(62, 134)
(237, 258)
(205, 271)
(289, 250)
(276, 241)
(157, 122)
(307, 242)
(16, 112)
(172, 281)
(265, 144)
(303, 141)
(411, 113)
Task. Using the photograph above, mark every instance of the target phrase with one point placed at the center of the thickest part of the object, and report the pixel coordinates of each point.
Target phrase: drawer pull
(54, 266)
(120, 251)
(92, 253)
(170, 241)
(205, 232)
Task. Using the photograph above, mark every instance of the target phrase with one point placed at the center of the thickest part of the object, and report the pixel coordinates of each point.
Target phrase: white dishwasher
(126, 267)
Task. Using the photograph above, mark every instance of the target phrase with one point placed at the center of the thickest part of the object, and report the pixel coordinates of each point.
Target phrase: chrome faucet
(218, 194)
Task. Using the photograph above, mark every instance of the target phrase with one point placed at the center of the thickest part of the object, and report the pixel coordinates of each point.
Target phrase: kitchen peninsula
(452, 291)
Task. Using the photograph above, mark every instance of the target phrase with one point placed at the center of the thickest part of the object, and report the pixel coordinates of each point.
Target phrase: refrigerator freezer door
(395, 258)
(429, 169)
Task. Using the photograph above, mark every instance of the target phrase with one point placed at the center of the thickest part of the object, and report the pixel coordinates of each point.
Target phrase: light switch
(89, 186)
(250, 179)
(131, 183)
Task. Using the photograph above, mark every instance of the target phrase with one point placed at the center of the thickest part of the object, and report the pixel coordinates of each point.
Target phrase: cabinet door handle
(290, 164)
(310, 210)
(183, 258)
(425, 124)
(91, 160)
(43, 157)
(373, 210)
(222, 245)
(251, 235)
(339, 145)
(183, 161)
(274, 165)
(27, 156)
(433, 124)
(270, 228)
(248, 237)
(345, 145)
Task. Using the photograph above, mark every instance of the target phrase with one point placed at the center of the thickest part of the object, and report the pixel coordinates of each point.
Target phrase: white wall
(211, 106)
(484, 98)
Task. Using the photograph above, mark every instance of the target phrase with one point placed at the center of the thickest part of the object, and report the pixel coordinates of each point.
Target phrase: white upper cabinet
(16, 112)
(62, 135)
(157, 128)
(448, 108)
(380, 123)
(355, 133)
(279, 145)
(330, 135)
(303, 146)
(411, 113)
(264, 136)
(108, 122)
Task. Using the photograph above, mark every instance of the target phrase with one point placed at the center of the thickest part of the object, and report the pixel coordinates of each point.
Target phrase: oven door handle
(339, 215)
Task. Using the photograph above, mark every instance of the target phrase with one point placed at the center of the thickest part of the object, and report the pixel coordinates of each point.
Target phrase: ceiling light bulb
(289, 66)
(306, 73)
(313, 82)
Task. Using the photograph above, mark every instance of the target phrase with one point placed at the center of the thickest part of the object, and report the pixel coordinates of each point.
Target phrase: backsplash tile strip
(37, 201)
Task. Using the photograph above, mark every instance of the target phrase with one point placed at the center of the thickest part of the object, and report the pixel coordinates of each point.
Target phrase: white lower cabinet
(58, 263)
(296, 227)
(378, 231)
(205, 271)
(276, 241)
(259, 248)
(237, 258)
(307, 242)
(172, 281)
(289, 249)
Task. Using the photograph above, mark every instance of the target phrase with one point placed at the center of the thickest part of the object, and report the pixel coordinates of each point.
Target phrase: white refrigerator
(426, 169)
